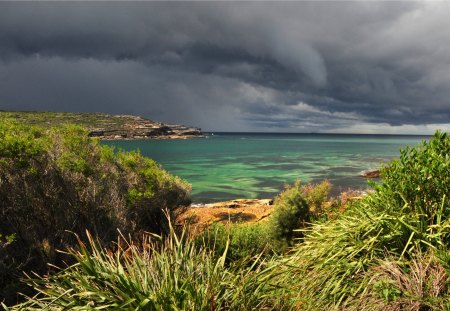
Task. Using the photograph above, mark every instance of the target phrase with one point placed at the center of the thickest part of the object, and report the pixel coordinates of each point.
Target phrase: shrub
(294, 209)
(58, 180)
(416, 187)
(316, 196)
(176, 275)
(419, 180)
(296, 205)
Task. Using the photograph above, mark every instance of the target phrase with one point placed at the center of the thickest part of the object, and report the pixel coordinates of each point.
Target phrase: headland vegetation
(85, 226)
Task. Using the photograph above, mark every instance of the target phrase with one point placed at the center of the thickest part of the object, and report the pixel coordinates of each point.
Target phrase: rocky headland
(107, 126)
(135, 127)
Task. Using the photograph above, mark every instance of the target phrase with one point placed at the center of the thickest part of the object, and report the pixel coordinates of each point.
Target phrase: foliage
(244, 241)
(419, 180)
(406, 214)
(416, 188)
(418, 284)
(176, 275)
(332, 256)
(54, 180)
(49, 119)
(388, 251)
(295, 207)
(316, 196)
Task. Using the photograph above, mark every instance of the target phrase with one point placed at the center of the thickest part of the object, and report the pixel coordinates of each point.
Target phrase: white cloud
(384, 128)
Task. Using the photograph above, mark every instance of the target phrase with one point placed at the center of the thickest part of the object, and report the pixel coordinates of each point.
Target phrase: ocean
(226, 166)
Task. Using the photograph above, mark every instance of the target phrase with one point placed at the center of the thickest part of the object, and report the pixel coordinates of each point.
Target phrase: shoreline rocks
(200, 216)
(370, 174)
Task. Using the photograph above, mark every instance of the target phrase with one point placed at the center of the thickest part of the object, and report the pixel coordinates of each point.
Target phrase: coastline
(162, 137)
(234, 211)
(246, 211)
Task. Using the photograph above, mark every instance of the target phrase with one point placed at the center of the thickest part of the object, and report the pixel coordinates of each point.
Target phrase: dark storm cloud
(231, 66)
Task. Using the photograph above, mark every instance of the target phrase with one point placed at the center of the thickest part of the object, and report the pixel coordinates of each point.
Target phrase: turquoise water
(241, 165)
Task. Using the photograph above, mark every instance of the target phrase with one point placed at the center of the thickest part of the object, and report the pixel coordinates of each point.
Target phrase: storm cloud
(239, 66)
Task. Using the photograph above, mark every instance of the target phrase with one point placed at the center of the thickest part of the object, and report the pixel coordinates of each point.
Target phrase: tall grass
(244, 241)
(418, 284)
(398, 220)
(173, 274)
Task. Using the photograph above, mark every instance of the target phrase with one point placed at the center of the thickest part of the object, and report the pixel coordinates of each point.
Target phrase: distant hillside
(106, 126)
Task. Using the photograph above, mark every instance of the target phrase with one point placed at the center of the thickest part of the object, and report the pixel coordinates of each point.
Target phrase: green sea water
(226, 166)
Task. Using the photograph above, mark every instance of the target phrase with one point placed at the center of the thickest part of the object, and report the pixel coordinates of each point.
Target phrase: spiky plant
(173, 274)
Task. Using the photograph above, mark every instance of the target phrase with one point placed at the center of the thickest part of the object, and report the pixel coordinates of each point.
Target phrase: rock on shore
(235, 211)
(370, 174)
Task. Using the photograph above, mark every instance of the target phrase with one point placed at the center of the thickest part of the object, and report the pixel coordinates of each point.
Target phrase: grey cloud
(239, 65)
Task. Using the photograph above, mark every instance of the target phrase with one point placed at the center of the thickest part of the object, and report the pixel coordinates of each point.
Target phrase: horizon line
(310, 133)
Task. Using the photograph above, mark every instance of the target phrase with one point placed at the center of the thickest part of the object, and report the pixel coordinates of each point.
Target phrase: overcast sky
(359, 67)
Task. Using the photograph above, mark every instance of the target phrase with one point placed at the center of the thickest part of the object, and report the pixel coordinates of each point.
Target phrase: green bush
(176, 275)
(57, 180)
(416, 188)
(419, 180)
(295, 207)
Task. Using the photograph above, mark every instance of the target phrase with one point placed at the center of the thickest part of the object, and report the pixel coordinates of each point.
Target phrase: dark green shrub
(58, 180)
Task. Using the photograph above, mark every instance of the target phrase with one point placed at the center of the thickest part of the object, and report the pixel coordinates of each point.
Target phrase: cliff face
(134, 127)
(106, 126)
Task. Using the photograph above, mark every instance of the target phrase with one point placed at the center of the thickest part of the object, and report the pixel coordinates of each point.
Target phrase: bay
(226, 166)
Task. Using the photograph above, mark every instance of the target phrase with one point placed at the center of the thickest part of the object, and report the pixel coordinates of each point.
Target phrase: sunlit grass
(173, 274)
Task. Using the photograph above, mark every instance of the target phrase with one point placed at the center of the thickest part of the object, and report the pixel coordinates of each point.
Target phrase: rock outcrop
(370, 174)
(235, 211)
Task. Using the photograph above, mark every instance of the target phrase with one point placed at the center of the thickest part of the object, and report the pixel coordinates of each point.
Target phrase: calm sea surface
(225, 166)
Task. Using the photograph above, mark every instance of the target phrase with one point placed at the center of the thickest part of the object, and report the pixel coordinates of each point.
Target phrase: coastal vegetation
(57, 183)
(387, 251)
(50, 119)
(294, 208)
